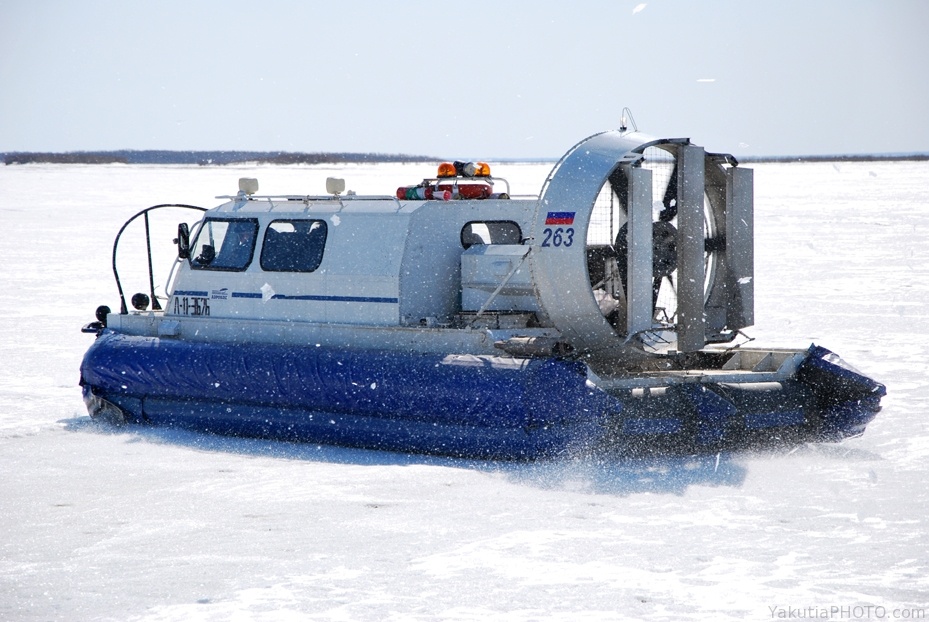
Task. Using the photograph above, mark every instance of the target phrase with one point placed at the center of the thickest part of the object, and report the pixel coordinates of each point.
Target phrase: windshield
(224, 244)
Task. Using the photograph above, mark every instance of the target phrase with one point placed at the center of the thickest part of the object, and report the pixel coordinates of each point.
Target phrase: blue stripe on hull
(319, 298)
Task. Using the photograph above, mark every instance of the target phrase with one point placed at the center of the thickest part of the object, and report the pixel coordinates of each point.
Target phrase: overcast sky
(472, 78)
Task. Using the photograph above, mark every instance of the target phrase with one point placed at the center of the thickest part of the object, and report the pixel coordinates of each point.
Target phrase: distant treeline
(212, 158)
(878, 157)
(203, 158)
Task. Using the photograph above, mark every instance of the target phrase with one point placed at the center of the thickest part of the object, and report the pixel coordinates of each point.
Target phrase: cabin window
(491, 232)
(293, 245)
(224, 244)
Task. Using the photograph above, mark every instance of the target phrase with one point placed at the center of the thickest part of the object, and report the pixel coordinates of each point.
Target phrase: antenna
(626, 120)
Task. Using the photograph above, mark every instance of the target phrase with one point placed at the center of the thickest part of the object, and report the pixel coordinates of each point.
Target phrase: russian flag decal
(559, 218)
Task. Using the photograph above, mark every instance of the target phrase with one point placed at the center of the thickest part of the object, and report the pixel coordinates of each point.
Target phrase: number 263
(558, 237)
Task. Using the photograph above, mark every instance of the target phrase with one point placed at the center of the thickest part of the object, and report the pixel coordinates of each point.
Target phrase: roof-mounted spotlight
(248, 185)
(335, 185)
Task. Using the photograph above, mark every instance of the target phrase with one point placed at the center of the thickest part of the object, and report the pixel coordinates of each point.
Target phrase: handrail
(123, 309)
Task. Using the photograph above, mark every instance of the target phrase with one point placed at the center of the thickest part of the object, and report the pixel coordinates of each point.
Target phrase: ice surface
(161, 525)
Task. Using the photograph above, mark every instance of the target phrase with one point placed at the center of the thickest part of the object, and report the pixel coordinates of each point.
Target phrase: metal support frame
(691, 323)
(639, 309)
(740, 251)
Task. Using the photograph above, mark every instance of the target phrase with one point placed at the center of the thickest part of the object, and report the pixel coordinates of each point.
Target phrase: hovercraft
(451, 318)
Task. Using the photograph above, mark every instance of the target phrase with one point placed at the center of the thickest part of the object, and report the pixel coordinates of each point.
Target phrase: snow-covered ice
(161, 525)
